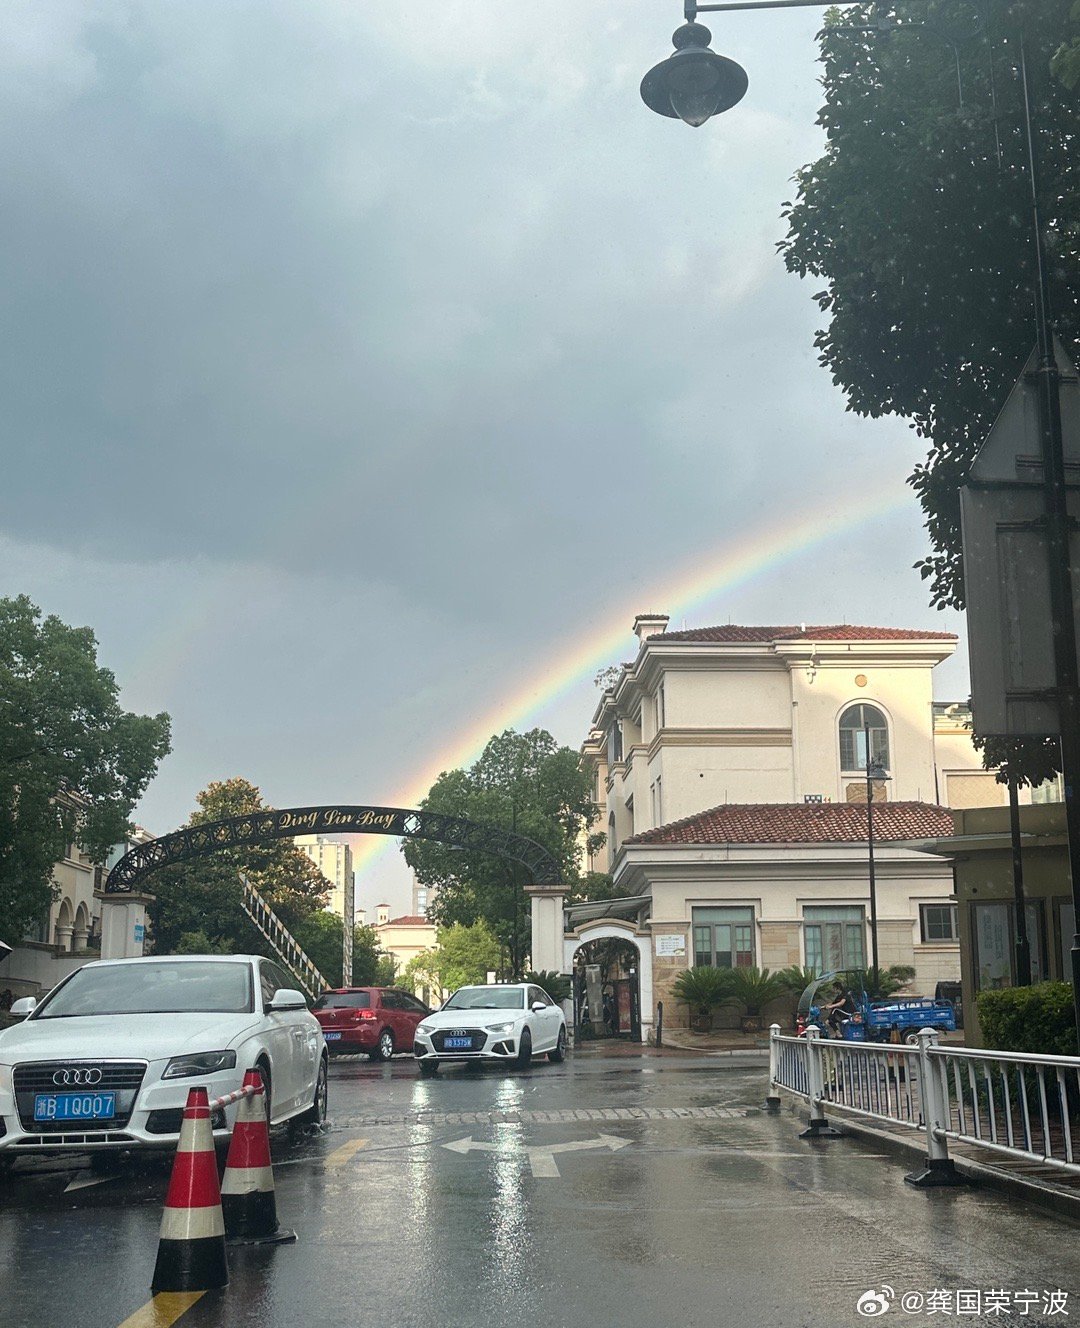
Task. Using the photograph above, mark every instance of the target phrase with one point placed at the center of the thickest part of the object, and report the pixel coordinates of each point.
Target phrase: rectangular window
(937, 923)
(994, 936)
(723, 937)
(834, 938)
(661, 718)
(853, 748)
(615, 743)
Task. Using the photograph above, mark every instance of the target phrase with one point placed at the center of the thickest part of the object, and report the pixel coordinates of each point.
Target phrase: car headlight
(501, 1028)
(424, 1028)
(202, 1062)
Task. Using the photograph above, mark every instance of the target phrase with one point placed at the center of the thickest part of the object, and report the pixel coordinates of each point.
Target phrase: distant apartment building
(730, 766)
(333, 858)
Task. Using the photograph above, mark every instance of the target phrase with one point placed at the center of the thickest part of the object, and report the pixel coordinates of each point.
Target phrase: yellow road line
(164, 1310)
(340, 1156)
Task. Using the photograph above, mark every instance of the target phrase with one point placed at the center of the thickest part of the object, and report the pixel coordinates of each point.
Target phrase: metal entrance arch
(124, 921)
(198, 841)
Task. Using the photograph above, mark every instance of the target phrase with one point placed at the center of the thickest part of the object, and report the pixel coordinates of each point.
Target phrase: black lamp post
(665, 89)
(875, 772)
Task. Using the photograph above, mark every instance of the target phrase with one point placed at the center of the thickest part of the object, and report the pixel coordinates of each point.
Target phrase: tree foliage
(73, 763)
(462, 957)
(524, 782)
(923, 237)
(203, 896)
(321, 933)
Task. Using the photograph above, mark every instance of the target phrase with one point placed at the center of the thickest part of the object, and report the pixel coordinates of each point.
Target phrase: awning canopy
(629, 908)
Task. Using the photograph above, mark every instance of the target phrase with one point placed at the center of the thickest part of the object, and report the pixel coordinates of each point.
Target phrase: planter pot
(700, 1023)
(753, 1023)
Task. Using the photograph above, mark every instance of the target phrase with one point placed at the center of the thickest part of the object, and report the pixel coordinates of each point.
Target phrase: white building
(727, 761)
(334, 859)
(68, 935)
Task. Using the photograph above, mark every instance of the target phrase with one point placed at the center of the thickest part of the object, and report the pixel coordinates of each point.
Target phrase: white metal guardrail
(1020, 1105)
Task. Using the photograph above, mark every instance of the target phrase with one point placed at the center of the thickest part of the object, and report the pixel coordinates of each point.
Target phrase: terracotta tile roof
(736, 635)
(407, 920)
(802, 823)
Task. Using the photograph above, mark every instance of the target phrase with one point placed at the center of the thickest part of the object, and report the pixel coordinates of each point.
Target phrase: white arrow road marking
(469, 1145)
(542, 1156)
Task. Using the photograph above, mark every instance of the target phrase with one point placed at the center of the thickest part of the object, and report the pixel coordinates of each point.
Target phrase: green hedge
(1033, 1019)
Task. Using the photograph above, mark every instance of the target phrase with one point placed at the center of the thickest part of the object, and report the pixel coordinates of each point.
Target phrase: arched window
(853, 726)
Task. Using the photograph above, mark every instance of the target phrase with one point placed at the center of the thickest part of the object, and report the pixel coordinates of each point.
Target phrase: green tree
(320, 935)
(524, 782)
(1067, 59)
(73, 763)
(205, 895)
(917, 217)
(463, 956)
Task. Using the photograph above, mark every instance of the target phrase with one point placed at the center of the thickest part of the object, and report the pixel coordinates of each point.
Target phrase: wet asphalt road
(684, 1205)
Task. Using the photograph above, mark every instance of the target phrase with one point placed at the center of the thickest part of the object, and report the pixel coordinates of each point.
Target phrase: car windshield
(344, 1000)
(487, 998)
(155, 988)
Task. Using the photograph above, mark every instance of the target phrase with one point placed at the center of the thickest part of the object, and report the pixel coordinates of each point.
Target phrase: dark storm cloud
(306, 289)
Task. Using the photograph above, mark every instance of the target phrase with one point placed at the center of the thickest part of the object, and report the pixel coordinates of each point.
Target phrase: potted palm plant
(702, 989)
(754, 988)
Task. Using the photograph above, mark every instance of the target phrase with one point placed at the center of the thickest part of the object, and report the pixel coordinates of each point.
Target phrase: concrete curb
(1061, 1202)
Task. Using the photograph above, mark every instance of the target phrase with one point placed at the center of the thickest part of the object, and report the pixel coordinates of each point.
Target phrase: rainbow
(722, 570)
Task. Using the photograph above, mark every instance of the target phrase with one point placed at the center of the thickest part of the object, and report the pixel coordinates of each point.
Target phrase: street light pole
(873, 771)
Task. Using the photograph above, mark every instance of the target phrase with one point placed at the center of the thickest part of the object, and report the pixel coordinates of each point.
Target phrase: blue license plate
(74, 1106)
(458, 1044)
(332, 1037)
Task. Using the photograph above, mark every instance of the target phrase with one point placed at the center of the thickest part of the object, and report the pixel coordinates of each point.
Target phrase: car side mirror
(23, 1006)
(537, 1006)
(286, 999)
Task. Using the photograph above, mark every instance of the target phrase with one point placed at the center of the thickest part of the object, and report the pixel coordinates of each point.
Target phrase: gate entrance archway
(197, 841)
(123, 924)
(615, 929)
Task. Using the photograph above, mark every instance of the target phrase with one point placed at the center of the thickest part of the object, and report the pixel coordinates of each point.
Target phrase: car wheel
(316, 1113)
(428, 1069)
(557, 1056)
(524, 1056)
(264, 1071)
(385, 1049)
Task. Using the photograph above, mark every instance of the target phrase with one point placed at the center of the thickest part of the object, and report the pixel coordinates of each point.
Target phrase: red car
(377, 1020)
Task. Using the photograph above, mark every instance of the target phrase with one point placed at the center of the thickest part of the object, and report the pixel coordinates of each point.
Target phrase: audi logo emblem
(88, 1076)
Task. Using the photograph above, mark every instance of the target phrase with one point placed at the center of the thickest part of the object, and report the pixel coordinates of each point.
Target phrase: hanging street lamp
(693, 83)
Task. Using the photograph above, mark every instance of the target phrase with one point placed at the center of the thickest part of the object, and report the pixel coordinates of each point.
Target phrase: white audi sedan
(106, 1059)
(507, 1023)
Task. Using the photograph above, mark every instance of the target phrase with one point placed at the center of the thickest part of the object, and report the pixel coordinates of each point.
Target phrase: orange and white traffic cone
(191, 1251)
(247, 1188)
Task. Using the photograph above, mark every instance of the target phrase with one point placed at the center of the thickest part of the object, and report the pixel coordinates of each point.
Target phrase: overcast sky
(362, 359)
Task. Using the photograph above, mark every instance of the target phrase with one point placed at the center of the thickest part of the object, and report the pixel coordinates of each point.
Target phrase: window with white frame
(615, 743)
(834, 938)
(937, 923)
(854, 723)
